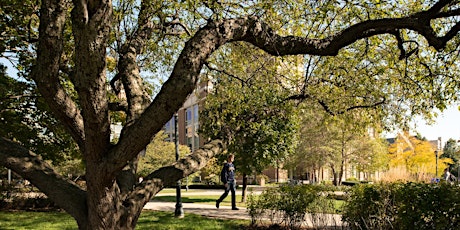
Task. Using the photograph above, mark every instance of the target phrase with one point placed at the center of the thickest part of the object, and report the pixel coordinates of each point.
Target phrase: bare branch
(376, 104)
(226, 73)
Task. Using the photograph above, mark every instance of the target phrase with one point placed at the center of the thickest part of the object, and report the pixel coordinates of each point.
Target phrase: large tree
(248, 110)
(73, 56)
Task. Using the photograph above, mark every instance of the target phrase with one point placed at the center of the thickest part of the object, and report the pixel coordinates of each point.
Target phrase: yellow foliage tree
(416, 156)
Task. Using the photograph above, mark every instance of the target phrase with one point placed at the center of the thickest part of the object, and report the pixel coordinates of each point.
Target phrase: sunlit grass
(36, 220)
(148, 220)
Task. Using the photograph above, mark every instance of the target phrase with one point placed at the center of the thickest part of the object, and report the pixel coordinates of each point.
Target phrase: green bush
(403, 206)
(370, 207)
(428, 206)
(289, 205)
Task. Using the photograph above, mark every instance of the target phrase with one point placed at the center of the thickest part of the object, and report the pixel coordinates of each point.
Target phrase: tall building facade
(188, 121)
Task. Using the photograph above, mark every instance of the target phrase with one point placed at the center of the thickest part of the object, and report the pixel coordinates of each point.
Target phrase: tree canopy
(398, 57)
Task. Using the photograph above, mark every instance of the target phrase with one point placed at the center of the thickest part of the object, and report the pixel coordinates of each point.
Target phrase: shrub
(428, 206)
(370, 207)
(403, 206)
(288, 205)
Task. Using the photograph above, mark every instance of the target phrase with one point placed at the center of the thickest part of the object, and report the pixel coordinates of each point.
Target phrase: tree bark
(245, 186)
(65, 193)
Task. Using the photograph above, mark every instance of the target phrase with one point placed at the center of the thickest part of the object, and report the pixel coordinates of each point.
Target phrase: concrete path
(225, 212)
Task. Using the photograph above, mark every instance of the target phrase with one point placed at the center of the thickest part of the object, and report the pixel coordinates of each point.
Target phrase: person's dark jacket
(228, 173)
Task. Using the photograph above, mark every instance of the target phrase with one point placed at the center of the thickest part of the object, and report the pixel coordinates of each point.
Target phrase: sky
(447, 126)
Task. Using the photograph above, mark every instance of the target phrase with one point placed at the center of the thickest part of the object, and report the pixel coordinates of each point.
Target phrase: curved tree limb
(46, 70)
(65, 193)
(169, 175)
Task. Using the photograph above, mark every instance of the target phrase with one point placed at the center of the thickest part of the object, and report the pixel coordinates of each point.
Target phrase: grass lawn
(148, 220)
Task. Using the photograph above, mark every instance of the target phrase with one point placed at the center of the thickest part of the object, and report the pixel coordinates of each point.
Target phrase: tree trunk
(339, 181)
(334, 174)
(245, 186)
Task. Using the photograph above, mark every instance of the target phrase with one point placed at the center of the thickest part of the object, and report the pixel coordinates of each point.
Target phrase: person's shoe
(217, 204)
(235, 208)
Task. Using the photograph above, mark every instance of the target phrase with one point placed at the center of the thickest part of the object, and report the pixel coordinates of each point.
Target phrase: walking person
(448, 177)
(227, 176)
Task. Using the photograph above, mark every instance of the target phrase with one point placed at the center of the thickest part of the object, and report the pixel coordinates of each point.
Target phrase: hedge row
(403, 206)
(289, 206)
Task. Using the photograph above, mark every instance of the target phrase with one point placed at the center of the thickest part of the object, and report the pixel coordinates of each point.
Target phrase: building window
(190, 126)
(188, 116)
(195, 113)
(169, 130)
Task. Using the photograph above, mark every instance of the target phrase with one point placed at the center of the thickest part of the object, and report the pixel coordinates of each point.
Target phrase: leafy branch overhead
(97, 62)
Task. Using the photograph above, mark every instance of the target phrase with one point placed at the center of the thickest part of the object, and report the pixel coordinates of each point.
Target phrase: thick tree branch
(136, 135)
(118, 106)
(65, 193)
(91, 21)
(438, 6)
(129, 73)
(46, 70)
(169, 175)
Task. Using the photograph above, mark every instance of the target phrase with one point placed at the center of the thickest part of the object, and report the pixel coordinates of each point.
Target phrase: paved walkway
(225, 212)
(200, 209)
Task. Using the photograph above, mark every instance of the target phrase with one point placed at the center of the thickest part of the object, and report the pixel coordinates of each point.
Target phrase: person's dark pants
(230, 187)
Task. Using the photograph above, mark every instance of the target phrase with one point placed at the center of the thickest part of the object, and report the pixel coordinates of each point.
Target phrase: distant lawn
(202, 199)
(148, 220)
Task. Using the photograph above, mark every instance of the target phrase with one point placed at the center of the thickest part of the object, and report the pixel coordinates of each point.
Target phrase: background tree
(70, 53)
(248, 111)
(310, 153)
(373, 156)
(452, 151)
(158, 154)
(416, 157)
(337, 142)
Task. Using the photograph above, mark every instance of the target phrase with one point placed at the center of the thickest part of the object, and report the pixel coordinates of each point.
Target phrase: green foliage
(19, 26)
(26, 119)
(290, 204)
(452, 151)
(248, 109)
(428, 206)
(379, 208)
(403, 206)
(211, 172)
(159, 153)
